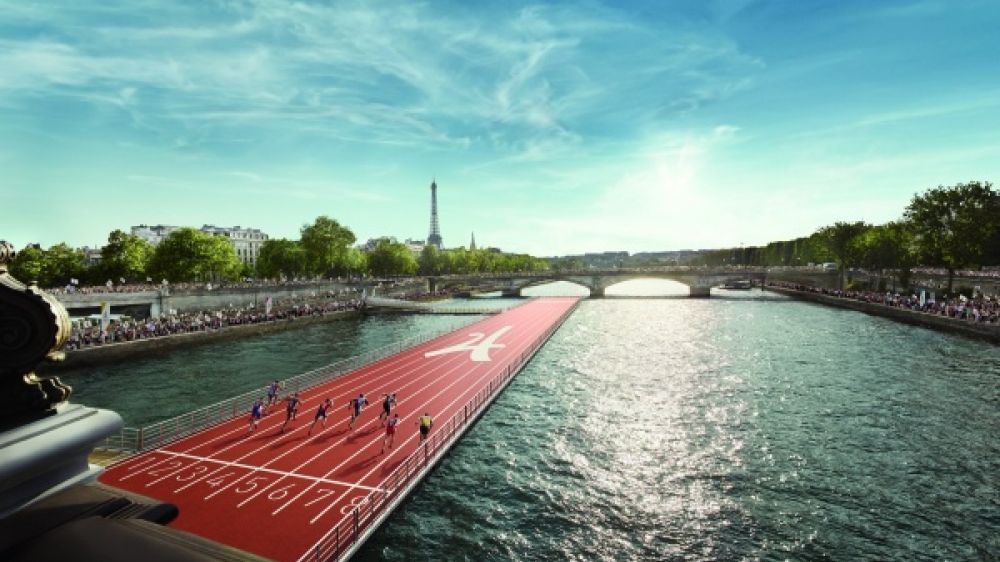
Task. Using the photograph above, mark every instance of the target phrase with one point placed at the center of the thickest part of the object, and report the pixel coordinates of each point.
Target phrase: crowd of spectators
(980, 309)
(88, 333)
(123, 287)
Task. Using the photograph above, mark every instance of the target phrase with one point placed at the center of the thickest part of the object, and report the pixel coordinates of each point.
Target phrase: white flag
(267, 306)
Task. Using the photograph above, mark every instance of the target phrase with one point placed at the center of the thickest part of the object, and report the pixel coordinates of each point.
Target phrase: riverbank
(962, 327)
(118, 352)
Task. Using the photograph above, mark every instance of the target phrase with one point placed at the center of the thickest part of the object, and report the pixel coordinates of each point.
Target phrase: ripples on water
(682, 430)
(723, 430)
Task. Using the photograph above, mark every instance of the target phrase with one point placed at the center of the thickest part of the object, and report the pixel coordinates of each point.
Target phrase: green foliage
(461, 261)
(49, 268)
(125, 256)
(955, 227)
(191, 255)
(839, 241)
(326, 244)
(281, 257)
(887, 246)
(28, 265)
(566, 264)
(63, 263)
(355, 262)
(391, 258)
(432, 261)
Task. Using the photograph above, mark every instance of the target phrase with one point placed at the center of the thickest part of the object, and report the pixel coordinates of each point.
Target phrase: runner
(321, 413)
(390, 431)
(256, 411)
(291, 408)
(357, 404)
(425, 423)
(387, 402)
(272, 393)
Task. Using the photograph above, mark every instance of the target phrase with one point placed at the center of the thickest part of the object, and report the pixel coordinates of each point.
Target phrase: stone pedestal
(50, 454)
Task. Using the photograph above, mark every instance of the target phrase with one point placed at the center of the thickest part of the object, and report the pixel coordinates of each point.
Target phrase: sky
(552, 128)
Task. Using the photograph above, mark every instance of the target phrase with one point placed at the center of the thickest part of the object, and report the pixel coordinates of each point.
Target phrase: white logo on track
(478, 344)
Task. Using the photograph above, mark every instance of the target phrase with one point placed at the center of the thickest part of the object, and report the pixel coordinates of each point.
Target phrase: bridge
(700, 280)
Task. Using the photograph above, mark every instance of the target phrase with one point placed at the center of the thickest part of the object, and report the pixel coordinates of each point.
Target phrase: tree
(839, 240)
(887, 246)
(953, 226)
(62, 263)
(281, 257)
(355, 262)
(326, 243)
(191, 255)
(391, 258)
(125, 255)
(458, 261)
(432, 261)
(28, 265)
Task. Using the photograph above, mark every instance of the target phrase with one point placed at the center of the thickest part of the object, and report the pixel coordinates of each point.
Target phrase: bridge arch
(568, 288)
(647, 287)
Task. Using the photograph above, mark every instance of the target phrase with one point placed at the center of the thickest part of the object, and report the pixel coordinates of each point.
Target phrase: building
(153, 234)
(415, 246)
(245, 241)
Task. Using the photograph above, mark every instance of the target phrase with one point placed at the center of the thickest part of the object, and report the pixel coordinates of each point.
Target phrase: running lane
(276, 493)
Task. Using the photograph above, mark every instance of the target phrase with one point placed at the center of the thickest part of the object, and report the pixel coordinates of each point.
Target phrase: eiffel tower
(434, 238)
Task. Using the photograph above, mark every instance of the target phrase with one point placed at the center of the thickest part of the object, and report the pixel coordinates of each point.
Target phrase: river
(735, 428)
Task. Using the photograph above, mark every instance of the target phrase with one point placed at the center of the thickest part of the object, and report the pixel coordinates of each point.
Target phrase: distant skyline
(552, 128)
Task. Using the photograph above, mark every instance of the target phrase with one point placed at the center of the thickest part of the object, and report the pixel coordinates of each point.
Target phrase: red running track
(278, 494)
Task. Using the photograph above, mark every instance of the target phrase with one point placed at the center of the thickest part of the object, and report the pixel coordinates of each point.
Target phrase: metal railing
(157, 434)
(345, 536)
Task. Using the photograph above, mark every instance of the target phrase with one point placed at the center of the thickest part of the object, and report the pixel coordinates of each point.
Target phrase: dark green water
(684, 430)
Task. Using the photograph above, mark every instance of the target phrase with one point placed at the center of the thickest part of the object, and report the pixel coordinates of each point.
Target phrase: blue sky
(552, 128)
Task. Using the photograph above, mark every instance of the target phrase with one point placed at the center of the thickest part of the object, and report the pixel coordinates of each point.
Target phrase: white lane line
(278, 472)
(428, 371)
(519, 341)
(515, 346)
(401, 361)
(377, 366)
(313, 548)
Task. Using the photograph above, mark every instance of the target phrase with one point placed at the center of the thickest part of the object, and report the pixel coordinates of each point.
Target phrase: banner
(267, 306)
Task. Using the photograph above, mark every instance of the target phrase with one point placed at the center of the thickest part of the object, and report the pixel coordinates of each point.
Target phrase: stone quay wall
(989, 332)
(126, 351)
